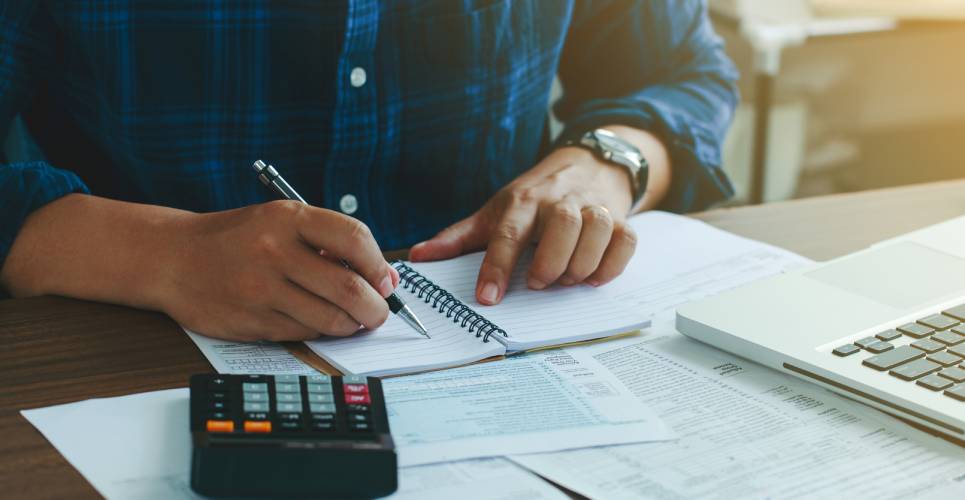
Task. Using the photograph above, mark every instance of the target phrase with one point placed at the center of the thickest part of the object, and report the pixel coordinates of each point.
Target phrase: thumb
(462, 237)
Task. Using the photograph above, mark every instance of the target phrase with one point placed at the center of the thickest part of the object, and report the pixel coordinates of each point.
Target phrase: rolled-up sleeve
(24, 56)
(655, 65)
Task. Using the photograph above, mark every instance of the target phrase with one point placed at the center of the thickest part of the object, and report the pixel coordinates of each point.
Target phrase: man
(397, 119)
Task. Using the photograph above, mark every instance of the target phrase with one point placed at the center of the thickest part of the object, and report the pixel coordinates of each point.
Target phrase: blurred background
(844, 95)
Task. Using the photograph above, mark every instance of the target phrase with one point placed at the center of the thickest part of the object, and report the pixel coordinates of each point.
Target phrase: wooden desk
(55, 350)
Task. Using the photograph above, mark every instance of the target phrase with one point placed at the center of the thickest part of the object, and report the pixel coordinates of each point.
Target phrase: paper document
(265, 358)
(542, 401)
(139, 447)
(746, 431)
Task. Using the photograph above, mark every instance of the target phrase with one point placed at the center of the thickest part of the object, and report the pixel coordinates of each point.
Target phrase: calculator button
(256, 407)
(287, 388)
(934, 383)
(320, 388)
(255, 396)
(220, 426)
(254, 387)
(256, 415)
(358, 417)
(356, 388)
(288, 407)
(358, 408)
(321, 398)
(288, 379)
(319, 378)
(323, 425)
(916, 330)
(889, 335)
(260, 426)
(846, 350)
(288, 425)
(218, 405)
(290, 417)
(288, 397)
(321, 408)
(355, 379)
(357, 399)
(218, 415)
(360, 426)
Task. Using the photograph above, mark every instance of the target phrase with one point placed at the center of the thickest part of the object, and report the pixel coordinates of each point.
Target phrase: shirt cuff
(24, 188)
(697, 181)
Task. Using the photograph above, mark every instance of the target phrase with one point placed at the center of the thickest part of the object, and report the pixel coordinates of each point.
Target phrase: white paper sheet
(139, 447)
(543, 401)
(264, 358)
(746, 431)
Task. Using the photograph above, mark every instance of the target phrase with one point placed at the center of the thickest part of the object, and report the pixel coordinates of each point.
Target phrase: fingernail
(593, 282)
(566, 281)
(535, 284)
(489, 293)
(385, 286)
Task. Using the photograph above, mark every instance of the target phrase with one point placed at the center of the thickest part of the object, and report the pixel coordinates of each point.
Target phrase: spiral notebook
(442, 295)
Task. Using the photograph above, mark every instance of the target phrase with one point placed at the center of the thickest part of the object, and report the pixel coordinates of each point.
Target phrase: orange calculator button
(221, 426)
(251, 426)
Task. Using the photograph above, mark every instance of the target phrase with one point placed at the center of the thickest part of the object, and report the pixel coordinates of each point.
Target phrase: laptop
(885, 325)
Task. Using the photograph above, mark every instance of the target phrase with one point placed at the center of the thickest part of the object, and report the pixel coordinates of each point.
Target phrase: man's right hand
(267, 271)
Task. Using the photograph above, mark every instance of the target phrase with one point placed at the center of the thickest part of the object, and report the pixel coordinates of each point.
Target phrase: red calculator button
(251, 426)
(357, 399)
(356, 388)
(221, 426)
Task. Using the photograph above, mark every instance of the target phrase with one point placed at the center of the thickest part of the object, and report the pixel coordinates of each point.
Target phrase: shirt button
(357, 77)
(348, 204)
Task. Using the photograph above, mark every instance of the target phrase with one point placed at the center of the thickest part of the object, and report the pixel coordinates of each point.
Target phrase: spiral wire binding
(446, 303)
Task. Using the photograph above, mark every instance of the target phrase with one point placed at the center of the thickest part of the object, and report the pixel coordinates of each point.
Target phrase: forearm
(94, 248)
(658, 159)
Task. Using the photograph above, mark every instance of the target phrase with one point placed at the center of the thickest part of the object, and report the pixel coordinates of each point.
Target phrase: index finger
(346, 238)
(509, 239)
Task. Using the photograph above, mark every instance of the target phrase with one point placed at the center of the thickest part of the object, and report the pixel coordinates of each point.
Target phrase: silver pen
(271, 178)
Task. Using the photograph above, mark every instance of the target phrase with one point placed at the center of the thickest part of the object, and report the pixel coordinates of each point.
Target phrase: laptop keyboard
(929, 352)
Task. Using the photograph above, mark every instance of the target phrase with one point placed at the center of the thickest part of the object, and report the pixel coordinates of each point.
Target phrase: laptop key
(957, 392)
(944, 359)
(846, 350)
(889, 335)
(957, 312)
(928, 346)
(934, 382)
(956, 374)
(865, 342)
(948, 337)
(893, 358)
(939, 321)
(915, 369)
(958, 350)
(880, 347)
(916, 330)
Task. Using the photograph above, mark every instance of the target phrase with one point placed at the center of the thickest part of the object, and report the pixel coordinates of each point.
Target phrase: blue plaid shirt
(420, 109)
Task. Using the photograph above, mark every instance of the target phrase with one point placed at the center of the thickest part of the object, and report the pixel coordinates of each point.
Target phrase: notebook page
(535, 318)
(395, 348)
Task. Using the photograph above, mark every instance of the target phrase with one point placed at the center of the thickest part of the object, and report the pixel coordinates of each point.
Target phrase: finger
(465, 236)
(509, 238)
(346, 238)
(595, 235)
(279, 327)
(338, 285)
(314, 313)
(561, 231)
(617, 255)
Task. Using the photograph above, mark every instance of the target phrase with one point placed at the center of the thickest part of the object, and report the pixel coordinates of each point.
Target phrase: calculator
(290, 435)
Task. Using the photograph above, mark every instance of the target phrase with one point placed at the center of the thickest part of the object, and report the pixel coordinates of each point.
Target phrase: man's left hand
(574, 204)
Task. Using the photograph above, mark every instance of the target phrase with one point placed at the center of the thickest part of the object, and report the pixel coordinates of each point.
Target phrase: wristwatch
(613, 149)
